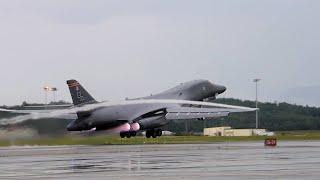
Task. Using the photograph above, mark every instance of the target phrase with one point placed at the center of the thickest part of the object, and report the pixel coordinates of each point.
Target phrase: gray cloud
(134, 48)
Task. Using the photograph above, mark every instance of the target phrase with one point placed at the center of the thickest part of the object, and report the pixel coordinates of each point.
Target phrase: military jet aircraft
(190, 100)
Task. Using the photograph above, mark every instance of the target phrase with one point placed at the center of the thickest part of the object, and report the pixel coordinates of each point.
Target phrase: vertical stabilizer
(79, 94)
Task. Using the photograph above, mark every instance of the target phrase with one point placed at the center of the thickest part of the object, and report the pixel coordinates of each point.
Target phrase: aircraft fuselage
(144, 116)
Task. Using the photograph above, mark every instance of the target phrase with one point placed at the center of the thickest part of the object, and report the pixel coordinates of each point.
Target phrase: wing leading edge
(182, 109)
(185, 113)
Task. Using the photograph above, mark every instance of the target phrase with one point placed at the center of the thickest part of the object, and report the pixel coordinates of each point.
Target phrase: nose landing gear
(153, 133)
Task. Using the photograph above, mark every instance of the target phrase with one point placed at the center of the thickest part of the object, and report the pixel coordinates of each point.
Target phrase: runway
(245, 160)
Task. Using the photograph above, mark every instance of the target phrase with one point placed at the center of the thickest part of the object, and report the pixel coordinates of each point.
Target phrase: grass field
(114, 140)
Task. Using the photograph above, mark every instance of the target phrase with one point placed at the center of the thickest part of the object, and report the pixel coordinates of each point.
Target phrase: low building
(228, 131)
(216, 131)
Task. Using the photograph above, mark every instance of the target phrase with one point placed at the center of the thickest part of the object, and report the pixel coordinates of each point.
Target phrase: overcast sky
(125, 48)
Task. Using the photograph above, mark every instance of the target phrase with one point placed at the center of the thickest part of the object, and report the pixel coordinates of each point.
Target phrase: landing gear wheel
(149, 133)
(159, 132)
(128, 134)
(154, 134)
(122, 135)
(133, 133)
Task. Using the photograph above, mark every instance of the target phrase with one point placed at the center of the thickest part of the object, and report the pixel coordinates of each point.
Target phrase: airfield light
(257, 118)
(48, 89)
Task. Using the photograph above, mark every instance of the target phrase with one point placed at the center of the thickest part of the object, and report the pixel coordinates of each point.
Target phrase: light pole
(46, 90)
(257, 118)
(54, 91)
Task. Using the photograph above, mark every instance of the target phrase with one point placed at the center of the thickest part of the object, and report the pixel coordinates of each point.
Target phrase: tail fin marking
(79, 94)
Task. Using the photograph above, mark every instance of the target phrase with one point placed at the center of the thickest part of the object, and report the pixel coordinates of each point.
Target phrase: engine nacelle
(152, 122)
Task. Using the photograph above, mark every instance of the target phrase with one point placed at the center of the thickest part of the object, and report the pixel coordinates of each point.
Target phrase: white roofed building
(228, 131)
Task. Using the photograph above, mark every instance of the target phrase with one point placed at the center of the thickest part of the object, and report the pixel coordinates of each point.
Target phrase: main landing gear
(153, 133)
(149, 133)
(128, 134)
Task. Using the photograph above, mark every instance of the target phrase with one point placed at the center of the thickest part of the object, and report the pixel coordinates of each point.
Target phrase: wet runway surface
(245, 160)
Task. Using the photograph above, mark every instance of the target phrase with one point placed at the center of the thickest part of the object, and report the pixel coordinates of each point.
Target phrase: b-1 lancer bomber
(190, 100)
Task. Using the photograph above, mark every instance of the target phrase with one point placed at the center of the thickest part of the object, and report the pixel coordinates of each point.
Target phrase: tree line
(272, 116)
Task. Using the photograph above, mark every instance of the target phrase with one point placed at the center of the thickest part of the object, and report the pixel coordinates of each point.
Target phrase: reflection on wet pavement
(251, 160)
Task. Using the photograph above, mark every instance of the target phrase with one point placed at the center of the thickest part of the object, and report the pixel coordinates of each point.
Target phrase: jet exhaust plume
(123, 128)
(135, 127)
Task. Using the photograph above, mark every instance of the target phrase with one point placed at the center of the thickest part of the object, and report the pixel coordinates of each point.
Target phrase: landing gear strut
(153, 133)
(128, 134)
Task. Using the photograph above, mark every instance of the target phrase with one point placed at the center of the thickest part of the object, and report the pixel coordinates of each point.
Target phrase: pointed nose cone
(220, 89)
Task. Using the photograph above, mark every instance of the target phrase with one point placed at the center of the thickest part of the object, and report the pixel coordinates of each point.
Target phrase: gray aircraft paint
(112, 116)
(186, 101)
